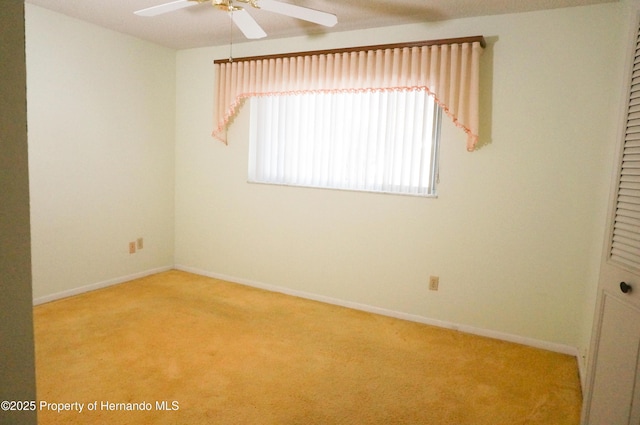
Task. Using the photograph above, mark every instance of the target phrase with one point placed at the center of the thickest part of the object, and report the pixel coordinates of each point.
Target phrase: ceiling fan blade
(299, 12)
(164, 8)
(247, 24)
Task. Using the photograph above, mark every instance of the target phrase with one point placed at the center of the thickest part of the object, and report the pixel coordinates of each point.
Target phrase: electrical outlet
(140, 243)
(433, 283)
(132, 247)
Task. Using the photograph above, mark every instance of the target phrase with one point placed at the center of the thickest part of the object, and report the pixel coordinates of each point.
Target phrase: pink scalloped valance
(450, 72)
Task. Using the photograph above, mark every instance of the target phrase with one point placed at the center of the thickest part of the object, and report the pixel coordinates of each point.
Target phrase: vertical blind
(372, 141)
(449, 71)
(625, 245)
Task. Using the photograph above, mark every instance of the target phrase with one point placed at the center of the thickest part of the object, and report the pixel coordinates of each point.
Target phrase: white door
(613, 386)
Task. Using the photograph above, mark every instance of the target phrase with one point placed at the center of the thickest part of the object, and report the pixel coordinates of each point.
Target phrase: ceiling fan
(242, 19)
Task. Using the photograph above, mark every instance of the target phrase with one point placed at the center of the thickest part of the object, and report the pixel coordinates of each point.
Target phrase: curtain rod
(459, 40)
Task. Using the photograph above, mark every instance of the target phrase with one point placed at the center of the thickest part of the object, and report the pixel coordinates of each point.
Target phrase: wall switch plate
(140, 243)
(433, 283)
(132, 247)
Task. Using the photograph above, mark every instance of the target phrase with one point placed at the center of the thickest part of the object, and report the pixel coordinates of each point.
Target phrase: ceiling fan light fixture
(226, 5)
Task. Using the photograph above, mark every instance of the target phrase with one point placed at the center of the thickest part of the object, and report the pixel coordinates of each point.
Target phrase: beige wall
(17, 377)
(516, 231)
(101, 139)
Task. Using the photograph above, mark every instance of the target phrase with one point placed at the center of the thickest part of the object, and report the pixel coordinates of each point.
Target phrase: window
(378, 140)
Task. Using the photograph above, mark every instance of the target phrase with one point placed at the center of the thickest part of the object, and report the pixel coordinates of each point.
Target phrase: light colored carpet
(230, 354)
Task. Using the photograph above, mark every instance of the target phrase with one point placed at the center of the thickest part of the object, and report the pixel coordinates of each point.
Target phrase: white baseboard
(532, 342)
(98, 285)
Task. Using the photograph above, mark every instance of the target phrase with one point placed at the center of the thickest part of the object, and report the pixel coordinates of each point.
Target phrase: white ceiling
(203, 25)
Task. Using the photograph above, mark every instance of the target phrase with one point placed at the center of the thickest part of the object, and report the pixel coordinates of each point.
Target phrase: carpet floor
(178, 348)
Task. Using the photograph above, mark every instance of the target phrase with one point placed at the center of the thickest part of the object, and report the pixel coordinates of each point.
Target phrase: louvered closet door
(612, 394)
(625, 247)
